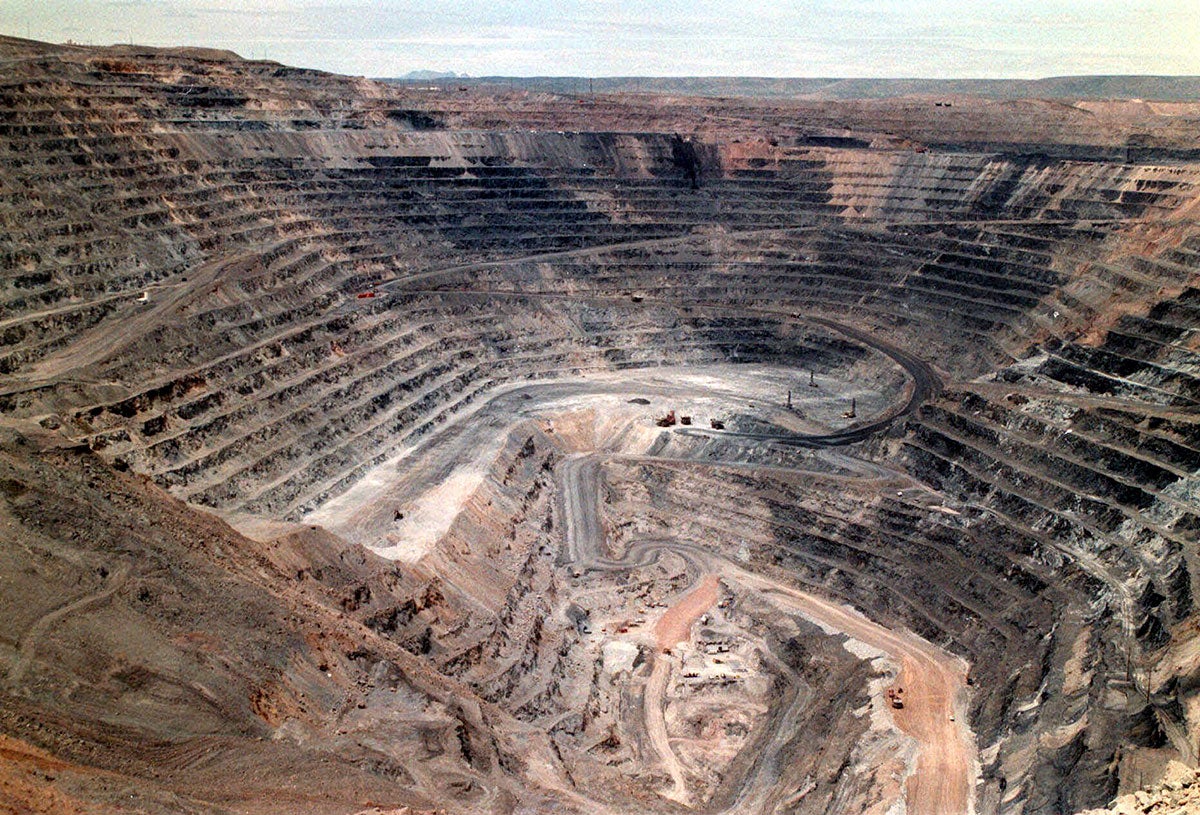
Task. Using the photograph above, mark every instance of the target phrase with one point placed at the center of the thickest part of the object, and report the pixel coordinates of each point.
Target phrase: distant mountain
(424, 75)
(1150, 88)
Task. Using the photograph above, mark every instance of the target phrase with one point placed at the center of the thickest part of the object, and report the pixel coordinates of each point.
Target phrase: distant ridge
(1147, 88)
(425, 75)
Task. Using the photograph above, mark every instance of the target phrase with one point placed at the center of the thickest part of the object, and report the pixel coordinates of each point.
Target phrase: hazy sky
(925, 38)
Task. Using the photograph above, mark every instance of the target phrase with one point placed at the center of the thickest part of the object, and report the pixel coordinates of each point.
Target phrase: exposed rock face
(412, 346)
(1177, 794)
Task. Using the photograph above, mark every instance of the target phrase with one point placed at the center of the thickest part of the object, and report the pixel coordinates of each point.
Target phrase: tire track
(37, 632)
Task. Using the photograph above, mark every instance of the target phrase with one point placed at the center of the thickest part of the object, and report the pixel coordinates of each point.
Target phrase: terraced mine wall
(252, 287)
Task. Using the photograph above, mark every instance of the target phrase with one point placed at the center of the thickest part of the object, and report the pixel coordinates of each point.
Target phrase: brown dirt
(27, 782)
(676, 622)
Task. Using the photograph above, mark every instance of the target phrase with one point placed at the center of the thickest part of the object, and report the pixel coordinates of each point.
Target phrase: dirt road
(655, 722)
(933, 681)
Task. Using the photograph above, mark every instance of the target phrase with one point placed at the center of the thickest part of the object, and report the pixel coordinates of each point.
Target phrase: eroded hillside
(332, 446)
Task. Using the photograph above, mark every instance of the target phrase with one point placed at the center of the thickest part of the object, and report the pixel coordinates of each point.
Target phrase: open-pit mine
(371, 448)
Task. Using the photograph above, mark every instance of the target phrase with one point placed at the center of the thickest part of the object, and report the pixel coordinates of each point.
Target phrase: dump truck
(896, 697)
(668, 420)
(685, 419)
(717, 424)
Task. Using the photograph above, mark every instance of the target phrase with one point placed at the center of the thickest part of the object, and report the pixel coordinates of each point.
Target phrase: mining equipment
(852, 412)
(717, 424)
(668, 420)
(637, 298)
(896, 697)
(812, 379)
(685, 419)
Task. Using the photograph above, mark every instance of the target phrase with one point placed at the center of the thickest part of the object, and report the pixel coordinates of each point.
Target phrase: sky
(1024, 39)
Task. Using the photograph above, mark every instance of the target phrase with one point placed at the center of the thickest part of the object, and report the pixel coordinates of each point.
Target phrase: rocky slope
(1177, 793)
